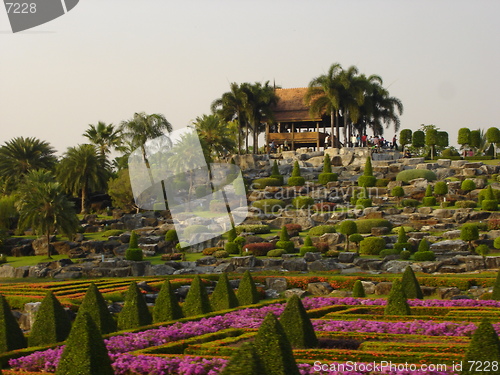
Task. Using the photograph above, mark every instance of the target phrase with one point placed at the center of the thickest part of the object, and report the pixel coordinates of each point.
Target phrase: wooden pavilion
(293, 125)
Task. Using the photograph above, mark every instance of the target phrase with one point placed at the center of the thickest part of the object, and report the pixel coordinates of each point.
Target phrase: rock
(162, 270)
(20, 272)
(379, 231)
(278, 284)
(205, 261)
(383, 288)
(295, 291)
(23, 250)
(449, 246)
(295, 264)
(395, 266)
(224, 267)
(369, 287)
(272, 262)
(28, 315)
(246, 261)
(319, 289)
(347, 257)
(7, 271)
(460, 216)
(442, 213)
(322, 265)
(447, 293)
(142, 268)
(451, 234)
(271, 294)
(311, 257)
(331, 238)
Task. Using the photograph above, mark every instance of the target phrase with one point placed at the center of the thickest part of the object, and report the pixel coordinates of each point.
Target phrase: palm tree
(324, 96)
(231, 107)
(21, 155)
(104, 137)
(215, 134)
(259, 101)
(81, 172)
(44, 207)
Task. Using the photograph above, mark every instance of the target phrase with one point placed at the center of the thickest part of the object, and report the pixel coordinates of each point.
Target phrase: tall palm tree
(21, 155)
(104, 137)
(44, 207)
(81, 172)
(216, 134)
(259, 101)
(324, 96)
(231, 107)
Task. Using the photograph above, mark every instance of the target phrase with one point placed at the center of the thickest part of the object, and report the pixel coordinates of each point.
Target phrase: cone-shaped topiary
(296, 179)
(85, 352)
(367, 179)
(231, 234)
(396, 302)
(135, 312)
(247, 291)
(11, 336)
(402, 242)
(308, 247)
(133, 241)
(274, 349)
(358, 291)
(275, 173)
(327, 174)
(428, 191)
(484, 347)
(133, 252)
(244, 361)
(197, 302)
(297, 325)
(284, 242)
(94, 304)
(496, 288)
(410, 284)
(223, 297)
(166, 306)
(52, 323)
(424, 245)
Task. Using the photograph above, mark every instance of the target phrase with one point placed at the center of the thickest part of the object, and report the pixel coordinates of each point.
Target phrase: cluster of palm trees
(359, 101)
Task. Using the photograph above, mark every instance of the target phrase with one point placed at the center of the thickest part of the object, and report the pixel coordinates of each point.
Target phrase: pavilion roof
(291, 106)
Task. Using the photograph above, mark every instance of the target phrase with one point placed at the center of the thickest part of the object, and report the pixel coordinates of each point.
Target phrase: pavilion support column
(293, 139)
(317, 136)
(267, 136)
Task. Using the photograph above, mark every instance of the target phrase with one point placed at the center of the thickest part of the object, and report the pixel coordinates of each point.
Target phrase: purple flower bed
(124, 363)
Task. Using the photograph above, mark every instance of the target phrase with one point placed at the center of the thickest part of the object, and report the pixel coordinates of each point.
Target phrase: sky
(106, 59)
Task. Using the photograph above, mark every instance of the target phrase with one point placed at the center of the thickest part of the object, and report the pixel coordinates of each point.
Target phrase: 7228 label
(21, 8)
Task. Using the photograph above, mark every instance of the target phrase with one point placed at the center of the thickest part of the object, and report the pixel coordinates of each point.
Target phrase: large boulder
(319, 289)
(295, 264)
(448, 246)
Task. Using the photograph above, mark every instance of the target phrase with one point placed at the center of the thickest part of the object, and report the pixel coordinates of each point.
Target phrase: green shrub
(489, 205)
(401, 246)
(258, 249)
(429, 201)
(134, 254)
(423, 245)
(465, 204)
(489, 194)
(231, 234)
(364, 202)
(135, 312)
(440, 188)
(410, 284)
(405, 255)
(112, 233)
(296, 169)
(275, 173)
(424, 256)
(358, 291)
(240, 241)
(356, 238)
(411, 174)
(496, 243)
(296, 181)
(276, 253)
(398, 191)
(252, 228)
(232, 248)
(332, 253)
(133, 244)
(211, 250)
(94, 304)
(223, 297)
(195, 229)
(182, 246)
(387, 252)
(396, 302)
(482, 250)
(469, 232)
(325, 178)
(11, 336)
(274, 349)
(468, 185)
(268, 205)
(321, 229)
(85, 352)
(382, 182)
(52, 323)
(261, 183)
(367, 181)
(166, 305)
(221, 254)
(302, 202)
(366, 225)
(327, 164)
(171, 236)
(410, 203)
(496, 287)
(197, 302)
(372, 245)
(484, 347)
(244, 361)
(308, 247)
(247, 291)
(297, 325)
(287, 246)
(348, 227)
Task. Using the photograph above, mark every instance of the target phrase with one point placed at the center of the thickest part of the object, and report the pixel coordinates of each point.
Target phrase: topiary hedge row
(411, 174)
(366, 225)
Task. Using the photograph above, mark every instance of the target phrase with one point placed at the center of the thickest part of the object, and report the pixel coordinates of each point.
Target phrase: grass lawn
(32, 260)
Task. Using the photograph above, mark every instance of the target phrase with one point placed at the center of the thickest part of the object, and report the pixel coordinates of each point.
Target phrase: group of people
(372, 141)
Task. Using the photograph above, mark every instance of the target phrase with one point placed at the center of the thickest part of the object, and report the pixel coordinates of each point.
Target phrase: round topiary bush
(252, 228)
(221, 254)
(211, 250)
(364, 202)
(366, 225)
(411, 174)
(424, 256)
(269, 205)
(387, 252)
(134, 254)
(302, 202)
(468, 185)
(261, 183)
(325, 178)
(372, 245)
(367, 181)
(296, 181)
(232, 248)
(465, 204)
(258, 249)
(276, 253)
(332, 254)
(405, 255)
(171, 236)
(489, 205)
(308, 247)
(321, 229)
(398, 191)
(429, 201)
(410, 202)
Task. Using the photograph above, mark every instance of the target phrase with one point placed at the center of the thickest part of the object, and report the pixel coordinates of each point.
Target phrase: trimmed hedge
(358, 291)
(321, 229)
(411, 174)
(221, 254)
(366, 225)
(166, 306)
(258, 249)
(11, 336)
(211, 250)
(297, 325)
(253, 228)
(276, 253)
(489, 205)
(364, 202)
(247, 291)
(134, 254)
(296, 181)
(325, 178)
(261, 183)
(410, 284)
(396, 302)
(410, 202)
(302, 202)
(223, 297)
(372, 245)
(465, 204)
(135, 312)
(423, 256)
(232, 248)
(367, 181)
(94, 304)
(196, 302)
(268, 205)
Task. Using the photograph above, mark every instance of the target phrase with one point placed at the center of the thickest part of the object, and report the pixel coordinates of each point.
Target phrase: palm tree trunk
(337, 128)
(246, 138)
(84, 200)
(255, 139)
(48, 245)
(332, 125)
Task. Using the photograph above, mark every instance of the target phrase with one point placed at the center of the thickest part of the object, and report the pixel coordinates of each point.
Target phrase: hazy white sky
(107, 59)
